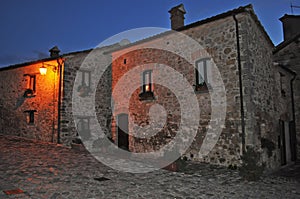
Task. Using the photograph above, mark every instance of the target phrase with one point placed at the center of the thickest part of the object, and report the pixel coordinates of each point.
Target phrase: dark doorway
(293, 140)
(123, 137)
(282, 142)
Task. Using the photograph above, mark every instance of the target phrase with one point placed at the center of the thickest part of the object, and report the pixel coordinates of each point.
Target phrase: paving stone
(49, 171)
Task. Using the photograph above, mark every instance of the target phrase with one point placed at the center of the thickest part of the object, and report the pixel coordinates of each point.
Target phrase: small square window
(83, 127)
(30, 116)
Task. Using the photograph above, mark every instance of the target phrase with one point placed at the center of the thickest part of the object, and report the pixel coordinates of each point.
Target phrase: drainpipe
(240, 82)
(293, 112)
(60, 67)
(292, 96)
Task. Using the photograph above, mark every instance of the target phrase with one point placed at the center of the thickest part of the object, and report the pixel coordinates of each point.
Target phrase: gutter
(294, 116)
(240, 81)
(60, 67)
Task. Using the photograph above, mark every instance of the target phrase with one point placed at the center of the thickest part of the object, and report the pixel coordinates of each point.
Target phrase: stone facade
(260, 89)
(287, 54)
(84, 106)
(29, 101)
(263, 102)
(93, 93)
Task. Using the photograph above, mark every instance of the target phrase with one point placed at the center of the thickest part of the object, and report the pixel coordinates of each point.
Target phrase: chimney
(54, 52)
(177, 17)
(290, 25)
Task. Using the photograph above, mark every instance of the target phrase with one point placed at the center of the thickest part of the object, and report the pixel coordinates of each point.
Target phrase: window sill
(29, 93)
(201, 88)
(146, 96)
(29, 96)
(84, 90)
(202, 91)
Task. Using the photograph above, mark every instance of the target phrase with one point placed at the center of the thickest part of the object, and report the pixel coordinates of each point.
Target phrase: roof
(115, 45)
(286, 43)
(27, 63)
(42, 60)
(289, 16)
(247, 8)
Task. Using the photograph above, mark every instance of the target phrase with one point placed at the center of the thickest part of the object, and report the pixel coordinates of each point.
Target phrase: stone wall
(72, 64)
(260, 78)
(218, 40)
(16, 104)
(289, 56)
(92, 104)
(264, 103)
(102, 98)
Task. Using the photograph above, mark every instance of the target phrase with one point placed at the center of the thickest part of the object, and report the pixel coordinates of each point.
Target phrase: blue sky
(30, 28)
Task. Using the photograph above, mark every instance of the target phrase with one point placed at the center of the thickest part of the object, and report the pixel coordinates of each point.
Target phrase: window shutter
(200, 72)
(208, 72)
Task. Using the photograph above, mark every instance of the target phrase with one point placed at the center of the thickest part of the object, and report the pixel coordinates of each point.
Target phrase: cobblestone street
(44, 170)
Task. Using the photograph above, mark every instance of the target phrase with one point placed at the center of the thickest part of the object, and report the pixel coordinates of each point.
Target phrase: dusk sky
(29, 28)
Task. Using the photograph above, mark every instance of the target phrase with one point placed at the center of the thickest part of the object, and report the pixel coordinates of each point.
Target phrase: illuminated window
(203, 74)
(31, 85)
(147, 81)
(85, 87)
(30, 116)
(147, 86)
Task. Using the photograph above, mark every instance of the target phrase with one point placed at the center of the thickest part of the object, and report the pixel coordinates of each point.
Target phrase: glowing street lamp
(43, 70)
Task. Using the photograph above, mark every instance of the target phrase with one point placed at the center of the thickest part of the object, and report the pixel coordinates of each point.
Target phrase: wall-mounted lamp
(43, 70)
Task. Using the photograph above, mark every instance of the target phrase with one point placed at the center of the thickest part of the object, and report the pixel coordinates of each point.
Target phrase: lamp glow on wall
(43, 70)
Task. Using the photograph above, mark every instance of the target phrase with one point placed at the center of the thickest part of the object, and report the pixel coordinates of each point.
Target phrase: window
(31, 85)
(85, 87)
(282, 90)
(203, 74)
(30, 116)
(147, 86)
(83, 127)
(147, 81)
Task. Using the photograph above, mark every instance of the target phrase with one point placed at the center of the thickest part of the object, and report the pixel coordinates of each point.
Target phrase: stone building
(29, 102)
(234, 61)
(287, 54)
(237, 44)
(39, 106)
